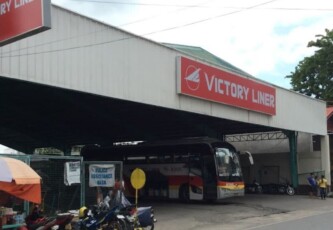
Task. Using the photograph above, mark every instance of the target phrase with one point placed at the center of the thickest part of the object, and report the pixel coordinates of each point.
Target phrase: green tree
(313, 75)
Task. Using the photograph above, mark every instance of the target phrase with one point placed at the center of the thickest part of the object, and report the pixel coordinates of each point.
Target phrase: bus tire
(184, 193)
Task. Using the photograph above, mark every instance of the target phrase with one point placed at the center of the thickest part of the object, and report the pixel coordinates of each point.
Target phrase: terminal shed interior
(85, 82)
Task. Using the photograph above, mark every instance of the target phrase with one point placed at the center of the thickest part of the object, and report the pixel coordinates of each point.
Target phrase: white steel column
(325, 157)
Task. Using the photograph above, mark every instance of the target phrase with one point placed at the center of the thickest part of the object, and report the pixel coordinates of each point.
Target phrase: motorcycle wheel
(259, 189)
(290, 191)
(124, 225)
(282, 190)
(114, 225)
(150, 227)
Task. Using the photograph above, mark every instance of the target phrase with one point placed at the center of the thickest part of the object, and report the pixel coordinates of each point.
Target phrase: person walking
(313, 185)
(322, 183)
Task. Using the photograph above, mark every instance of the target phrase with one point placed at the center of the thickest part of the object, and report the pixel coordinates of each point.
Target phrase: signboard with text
(202, 81)
(101, 175)
(23, 18)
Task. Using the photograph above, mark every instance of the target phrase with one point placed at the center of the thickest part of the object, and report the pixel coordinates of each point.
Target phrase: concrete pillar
(325, 157)
(292, 135)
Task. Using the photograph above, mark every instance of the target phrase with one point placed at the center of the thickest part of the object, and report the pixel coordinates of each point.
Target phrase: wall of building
(83, 54)
(272, 157)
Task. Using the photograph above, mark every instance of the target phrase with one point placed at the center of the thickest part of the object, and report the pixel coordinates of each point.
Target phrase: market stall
(17, 179)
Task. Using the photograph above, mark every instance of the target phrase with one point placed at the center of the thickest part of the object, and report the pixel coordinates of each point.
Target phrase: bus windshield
(228, 166)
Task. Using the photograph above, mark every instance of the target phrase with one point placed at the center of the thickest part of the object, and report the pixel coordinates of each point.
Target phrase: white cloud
(267, 41)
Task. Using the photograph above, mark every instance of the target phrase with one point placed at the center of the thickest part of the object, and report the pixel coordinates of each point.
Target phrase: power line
(202, 6)
(172, 28)
(117, 40)
(90, 33)
(211, 18)
(178, 10)
(135, 3)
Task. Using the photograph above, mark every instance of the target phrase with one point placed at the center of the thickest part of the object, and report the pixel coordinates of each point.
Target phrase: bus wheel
(184, 193)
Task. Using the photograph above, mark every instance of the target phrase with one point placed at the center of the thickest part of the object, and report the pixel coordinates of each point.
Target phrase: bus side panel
(230, 189)
(174, 185)
(162, 180)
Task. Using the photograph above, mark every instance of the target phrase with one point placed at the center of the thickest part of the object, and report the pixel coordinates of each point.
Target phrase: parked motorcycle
(283, 188)
(139, 218)
(60, 222)
(255, 187)
(37, 221)
(135, 217)
(286, 188)
(100, 218)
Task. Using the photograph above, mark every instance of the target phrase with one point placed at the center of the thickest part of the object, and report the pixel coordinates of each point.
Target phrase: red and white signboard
(23, 18)
(209, 83)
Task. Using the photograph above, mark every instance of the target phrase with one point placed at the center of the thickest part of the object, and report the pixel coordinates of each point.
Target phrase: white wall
(276, 153)
(82, 54)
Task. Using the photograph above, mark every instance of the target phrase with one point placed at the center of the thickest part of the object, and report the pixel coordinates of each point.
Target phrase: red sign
(206, 82)
(22, 18)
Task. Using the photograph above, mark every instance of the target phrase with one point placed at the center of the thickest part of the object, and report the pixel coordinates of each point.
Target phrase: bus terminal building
(85, 82)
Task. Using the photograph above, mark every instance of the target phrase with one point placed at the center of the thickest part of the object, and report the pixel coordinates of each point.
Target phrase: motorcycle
(37, 221)
(60, 222)
(101, 218)
(282, 188)
(139, 218)
(255, 187)
(286, 188)
(135, 217)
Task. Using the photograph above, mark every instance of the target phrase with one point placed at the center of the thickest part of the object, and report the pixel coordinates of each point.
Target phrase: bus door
(195, 177)
(209, 177)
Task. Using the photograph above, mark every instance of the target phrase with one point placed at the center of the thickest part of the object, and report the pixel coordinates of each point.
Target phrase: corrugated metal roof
(207, 56)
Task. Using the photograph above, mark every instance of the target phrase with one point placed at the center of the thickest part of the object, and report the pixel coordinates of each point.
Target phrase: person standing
(313, 185)
(322, 183)
(317, 188)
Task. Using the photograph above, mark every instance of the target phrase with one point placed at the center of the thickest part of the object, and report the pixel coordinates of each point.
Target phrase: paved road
(311, 221)
(249, 212)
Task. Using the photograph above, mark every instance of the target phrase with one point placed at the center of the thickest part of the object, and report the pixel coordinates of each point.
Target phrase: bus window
(152, 159)
(227, 164)
(181, 158)
(165, 159)
(195, 164)
(135, 159)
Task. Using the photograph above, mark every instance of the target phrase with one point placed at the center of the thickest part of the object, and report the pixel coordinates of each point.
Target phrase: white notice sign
(101, 175)
(72, 173)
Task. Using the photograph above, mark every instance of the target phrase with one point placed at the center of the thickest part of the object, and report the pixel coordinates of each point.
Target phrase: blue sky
(264, 38)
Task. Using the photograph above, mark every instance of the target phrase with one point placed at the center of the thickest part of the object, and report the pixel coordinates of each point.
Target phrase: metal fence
(56, 196)
(94, 194)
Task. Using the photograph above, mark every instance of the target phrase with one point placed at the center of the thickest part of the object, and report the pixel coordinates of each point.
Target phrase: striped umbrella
(20, 180)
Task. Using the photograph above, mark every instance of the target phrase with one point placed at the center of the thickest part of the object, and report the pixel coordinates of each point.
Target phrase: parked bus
(186, 169)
